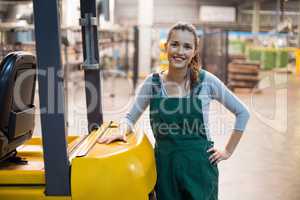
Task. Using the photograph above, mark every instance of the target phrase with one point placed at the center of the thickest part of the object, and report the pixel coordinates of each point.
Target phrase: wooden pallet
(247, 90)
(243, 68)
(243, 75)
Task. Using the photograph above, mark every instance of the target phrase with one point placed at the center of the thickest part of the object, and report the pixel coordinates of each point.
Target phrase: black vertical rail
(237, 13)
(66, 80)
(126, 65)
(282, 7)
(51, 93)
(226, 57)
(136, 58)
(203, 62)
(91, 76)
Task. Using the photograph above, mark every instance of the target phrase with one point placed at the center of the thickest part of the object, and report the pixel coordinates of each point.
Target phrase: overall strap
(197, 89)
(156, 84)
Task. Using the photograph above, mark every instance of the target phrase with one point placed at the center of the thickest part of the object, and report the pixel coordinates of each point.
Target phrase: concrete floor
(266, 164)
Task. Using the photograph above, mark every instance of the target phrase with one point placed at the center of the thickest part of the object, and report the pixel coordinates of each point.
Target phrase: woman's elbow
(246, 113)
(243, 114)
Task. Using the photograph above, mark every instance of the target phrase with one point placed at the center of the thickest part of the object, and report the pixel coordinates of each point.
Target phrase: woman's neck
(177, 75)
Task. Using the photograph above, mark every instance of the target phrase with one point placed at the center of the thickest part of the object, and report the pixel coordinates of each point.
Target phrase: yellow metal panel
(27, 175)
(116, 171)
(21, 177)
(32, 172)
(27, 193)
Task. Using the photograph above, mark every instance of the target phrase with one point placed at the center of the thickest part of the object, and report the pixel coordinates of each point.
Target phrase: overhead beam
(15, 2)
(245, 4)
(217, 3)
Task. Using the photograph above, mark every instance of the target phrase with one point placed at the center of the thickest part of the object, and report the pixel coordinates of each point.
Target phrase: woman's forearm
(233, 141)
(218, 155)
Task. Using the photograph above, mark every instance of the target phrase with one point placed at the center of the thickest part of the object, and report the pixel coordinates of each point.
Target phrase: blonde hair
(194, 65)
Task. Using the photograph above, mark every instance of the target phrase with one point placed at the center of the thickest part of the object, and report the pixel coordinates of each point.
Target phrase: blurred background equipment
(251, 45)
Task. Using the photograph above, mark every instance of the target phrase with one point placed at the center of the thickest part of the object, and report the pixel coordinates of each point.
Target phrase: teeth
(178, 58)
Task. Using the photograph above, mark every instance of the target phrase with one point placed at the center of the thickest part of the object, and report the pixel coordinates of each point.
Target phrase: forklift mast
(48, 42)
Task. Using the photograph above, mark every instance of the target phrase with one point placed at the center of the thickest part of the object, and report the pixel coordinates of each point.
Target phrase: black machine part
(91, 68)
(17, 88)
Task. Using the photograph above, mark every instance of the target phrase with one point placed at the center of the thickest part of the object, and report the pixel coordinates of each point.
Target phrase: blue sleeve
(141, 101)
(223, 95)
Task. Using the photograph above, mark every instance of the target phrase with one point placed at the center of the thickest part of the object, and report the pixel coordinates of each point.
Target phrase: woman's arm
(233, 141)
(222, 94)
(141, 102)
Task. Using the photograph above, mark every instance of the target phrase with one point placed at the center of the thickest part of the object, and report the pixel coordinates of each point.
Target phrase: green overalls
(184, 171)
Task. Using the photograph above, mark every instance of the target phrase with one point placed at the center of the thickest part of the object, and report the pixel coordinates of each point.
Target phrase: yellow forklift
(58, 166)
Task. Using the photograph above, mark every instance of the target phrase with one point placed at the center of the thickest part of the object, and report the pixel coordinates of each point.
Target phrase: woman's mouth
(178, 58)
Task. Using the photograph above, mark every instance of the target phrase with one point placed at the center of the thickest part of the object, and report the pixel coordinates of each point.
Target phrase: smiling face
(180, 48)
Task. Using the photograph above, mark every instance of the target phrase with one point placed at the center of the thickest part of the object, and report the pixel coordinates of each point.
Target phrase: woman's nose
(180, 50)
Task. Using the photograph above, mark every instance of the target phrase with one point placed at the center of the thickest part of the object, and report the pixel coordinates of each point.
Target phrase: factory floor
(267, 161)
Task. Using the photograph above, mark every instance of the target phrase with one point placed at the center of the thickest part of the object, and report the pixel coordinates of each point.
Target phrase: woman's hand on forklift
(124, 129)
(112, 138)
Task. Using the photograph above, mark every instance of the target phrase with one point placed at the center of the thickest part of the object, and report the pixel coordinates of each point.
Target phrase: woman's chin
(178, 65)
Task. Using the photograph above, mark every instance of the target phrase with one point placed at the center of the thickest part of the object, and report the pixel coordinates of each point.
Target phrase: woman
(179, 101)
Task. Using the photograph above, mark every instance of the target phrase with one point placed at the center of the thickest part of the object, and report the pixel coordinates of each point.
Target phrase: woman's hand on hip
(218, 155)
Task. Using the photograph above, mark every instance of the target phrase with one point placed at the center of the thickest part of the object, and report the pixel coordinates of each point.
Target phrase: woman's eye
(173, 44)
(187, 47)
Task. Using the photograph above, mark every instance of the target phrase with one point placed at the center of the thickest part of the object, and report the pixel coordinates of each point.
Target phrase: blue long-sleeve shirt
(212, 89)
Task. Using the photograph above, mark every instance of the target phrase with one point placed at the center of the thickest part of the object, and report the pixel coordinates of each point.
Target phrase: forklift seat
(17, 88)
